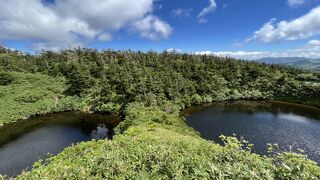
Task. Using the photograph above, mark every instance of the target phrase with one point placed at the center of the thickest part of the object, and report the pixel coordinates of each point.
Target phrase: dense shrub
(6, 78)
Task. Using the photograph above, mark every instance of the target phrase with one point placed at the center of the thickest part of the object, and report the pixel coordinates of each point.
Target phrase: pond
(27, 141)
(291, 126)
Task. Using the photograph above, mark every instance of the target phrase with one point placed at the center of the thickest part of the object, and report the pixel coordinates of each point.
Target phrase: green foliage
(168, 116)
(31, 94)
(196, 99)
(110, 79)
(158, 145)
(6, 78)
(291, 165)
(152, 142)
(108, 108)
(28, 96)
(79, 79)
(295, 166)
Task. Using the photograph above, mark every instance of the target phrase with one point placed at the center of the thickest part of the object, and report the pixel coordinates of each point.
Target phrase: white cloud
(252, 55)
(236, 54)
(68, 22)
(100, 14)
(55, 46)
(314, 42)
(105, 37)
(207, 10)
(153, 28)
(303, 27)
(307, 52)
(294, 3)
(182, 12)
(174, 50)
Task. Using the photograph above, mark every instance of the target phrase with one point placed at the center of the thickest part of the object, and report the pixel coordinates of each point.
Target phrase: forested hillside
(109, 80)
(150, 89)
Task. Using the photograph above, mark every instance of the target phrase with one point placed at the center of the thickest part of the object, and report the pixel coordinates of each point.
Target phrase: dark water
(291, 126)
(25, 142)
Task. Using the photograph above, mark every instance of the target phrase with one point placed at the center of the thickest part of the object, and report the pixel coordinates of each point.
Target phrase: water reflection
(291, 126)
(25, 142)
(102, 132)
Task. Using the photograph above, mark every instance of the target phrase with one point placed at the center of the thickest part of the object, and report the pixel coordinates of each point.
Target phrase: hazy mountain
(299, 62)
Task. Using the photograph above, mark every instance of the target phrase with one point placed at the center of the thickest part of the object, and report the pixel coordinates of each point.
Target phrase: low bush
(6, 78)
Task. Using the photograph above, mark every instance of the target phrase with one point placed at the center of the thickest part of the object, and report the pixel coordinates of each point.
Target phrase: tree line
(108, 80)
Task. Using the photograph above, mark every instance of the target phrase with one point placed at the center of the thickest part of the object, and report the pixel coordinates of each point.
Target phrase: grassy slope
(152, 144)
(31, 94)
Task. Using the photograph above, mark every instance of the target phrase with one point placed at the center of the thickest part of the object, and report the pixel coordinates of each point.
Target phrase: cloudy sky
(247, 29)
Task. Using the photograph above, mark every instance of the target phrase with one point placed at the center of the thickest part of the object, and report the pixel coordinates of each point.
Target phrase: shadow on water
(27, 141)
(292, 126)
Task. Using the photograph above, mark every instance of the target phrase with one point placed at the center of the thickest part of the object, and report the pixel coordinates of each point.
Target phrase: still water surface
(291, 126)
(27, 141)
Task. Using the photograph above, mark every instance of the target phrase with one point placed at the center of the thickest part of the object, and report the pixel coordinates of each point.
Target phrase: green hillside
(149, 90)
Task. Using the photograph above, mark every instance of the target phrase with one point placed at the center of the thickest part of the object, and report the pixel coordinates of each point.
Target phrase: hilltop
(298, 62)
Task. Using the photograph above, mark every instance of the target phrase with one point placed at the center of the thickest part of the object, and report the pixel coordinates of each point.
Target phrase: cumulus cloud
(294, 3)
(182, 12)
(153, 28)
(314, 42)
(207, 10)
(300, 28)
(71, 22)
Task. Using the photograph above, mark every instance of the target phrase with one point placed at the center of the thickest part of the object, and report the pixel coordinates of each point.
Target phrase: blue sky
(240, 28)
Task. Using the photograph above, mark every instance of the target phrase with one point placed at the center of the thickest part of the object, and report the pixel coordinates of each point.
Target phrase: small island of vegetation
(148, 90)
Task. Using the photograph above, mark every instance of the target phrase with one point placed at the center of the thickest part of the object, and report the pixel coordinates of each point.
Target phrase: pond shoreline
(184, 111)
(259, 122)
(24, 142)
(181, 111)
(54, 113)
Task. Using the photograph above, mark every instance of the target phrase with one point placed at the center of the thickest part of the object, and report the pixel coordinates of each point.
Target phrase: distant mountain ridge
(299, 62)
